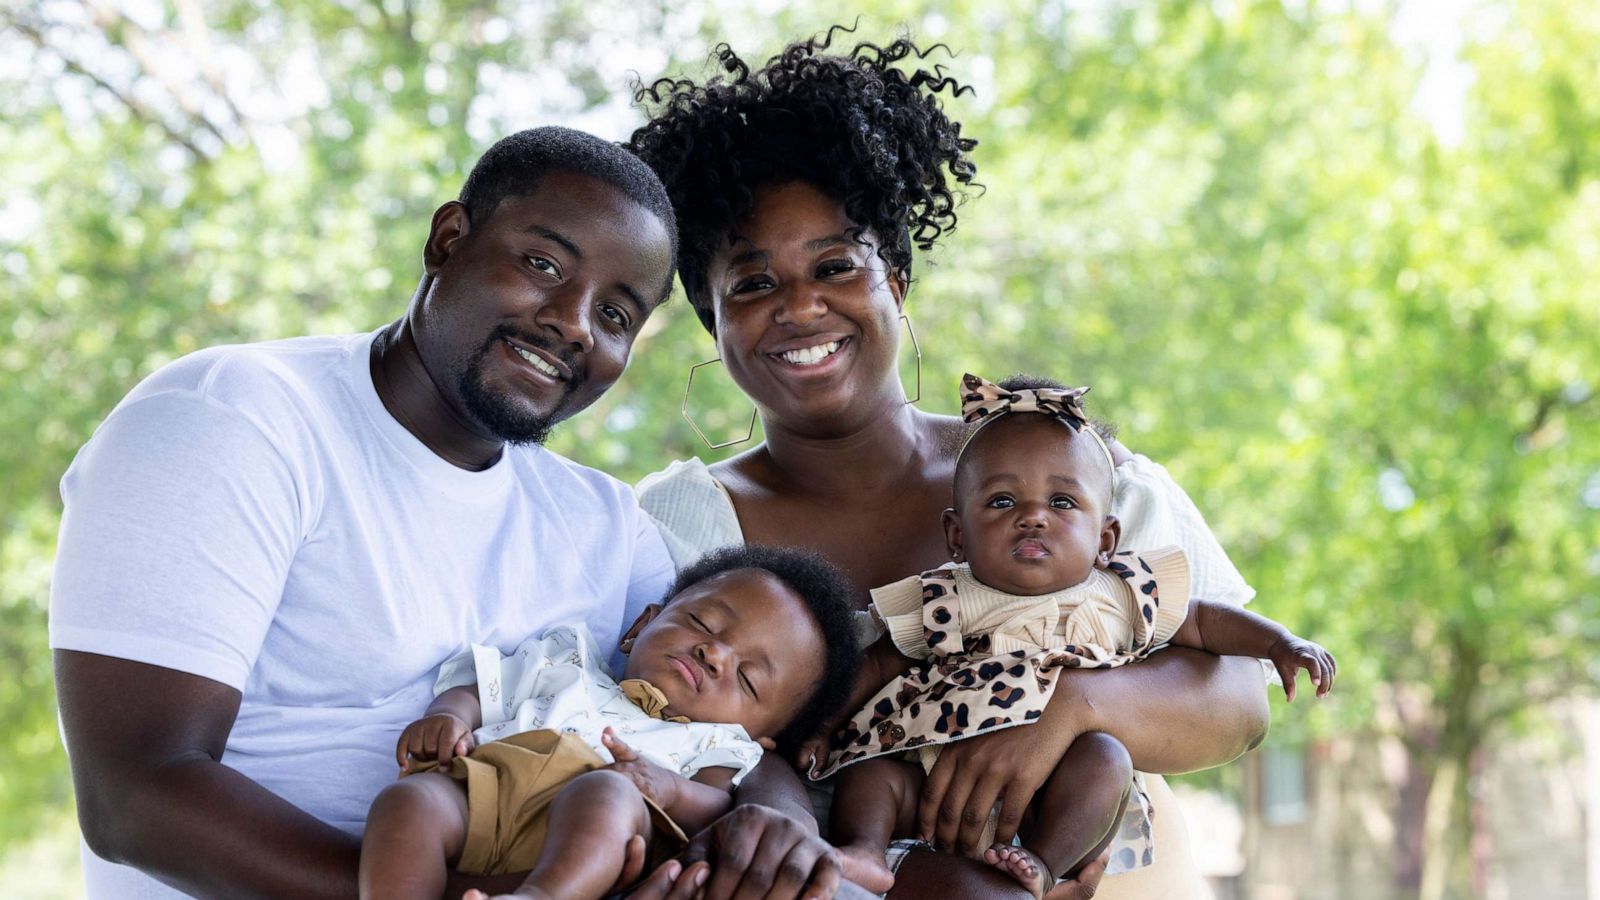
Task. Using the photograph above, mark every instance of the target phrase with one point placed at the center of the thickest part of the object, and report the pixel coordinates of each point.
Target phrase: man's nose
(569, 313)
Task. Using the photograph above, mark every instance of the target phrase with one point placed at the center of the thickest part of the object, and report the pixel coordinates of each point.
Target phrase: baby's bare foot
(1020, 863)
(864, 865)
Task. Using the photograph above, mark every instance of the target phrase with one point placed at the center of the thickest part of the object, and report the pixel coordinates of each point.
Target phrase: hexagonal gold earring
(688, 386)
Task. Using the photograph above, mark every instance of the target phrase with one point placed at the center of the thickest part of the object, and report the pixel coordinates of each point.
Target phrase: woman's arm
(1178, 711)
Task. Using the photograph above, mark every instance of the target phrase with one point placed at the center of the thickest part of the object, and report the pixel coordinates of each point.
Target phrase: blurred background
(1336, 264)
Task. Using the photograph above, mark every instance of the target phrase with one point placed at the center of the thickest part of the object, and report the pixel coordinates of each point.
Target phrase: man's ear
(767, 743)
(450, 224)
(952, 535)
(645, 618)
(1110, 535)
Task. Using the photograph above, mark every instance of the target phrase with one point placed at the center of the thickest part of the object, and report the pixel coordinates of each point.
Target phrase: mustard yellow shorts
(510, 785)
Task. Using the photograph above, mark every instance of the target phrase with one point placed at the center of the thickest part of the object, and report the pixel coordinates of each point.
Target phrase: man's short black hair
(829, 596)
(514, 166)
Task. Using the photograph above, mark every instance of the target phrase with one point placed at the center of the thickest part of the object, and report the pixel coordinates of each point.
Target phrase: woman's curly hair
(864, 132)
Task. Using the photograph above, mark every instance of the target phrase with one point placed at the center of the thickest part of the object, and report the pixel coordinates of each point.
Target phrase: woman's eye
(541, 264)
(756, 283)
(1063, 503)
(1001, 502)
(834, 267)
(615, 314)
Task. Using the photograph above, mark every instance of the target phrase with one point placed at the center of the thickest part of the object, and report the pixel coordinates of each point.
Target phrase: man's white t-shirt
(255, 516)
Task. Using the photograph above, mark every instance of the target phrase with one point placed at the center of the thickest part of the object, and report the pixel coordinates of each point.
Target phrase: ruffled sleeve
(1169, 567)
(899, 605)
(1155, 512)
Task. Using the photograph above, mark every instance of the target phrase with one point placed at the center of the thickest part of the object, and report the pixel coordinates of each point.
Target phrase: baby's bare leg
(591, 822)
(873, 802)
(414, 832)
(1075, 815)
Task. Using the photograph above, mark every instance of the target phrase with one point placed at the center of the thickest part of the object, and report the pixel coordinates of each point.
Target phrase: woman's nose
(801, 305)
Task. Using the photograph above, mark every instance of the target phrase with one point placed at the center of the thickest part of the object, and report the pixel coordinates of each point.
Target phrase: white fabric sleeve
(692, 510)
(724, 747)
(457, 671)
(181, 520)
(1155, 512)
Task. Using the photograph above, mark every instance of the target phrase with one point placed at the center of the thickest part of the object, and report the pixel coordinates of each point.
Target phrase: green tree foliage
(1368, 351)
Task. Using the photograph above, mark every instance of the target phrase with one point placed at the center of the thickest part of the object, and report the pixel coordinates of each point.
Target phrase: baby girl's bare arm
(1228, 630)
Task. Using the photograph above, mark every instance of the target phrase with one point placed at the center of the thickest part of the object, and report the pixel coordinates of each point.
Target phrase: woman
(800, 189)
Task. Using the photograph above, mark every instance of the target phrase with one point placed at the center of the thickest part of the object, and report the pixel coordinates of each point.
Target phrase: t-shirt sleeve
(180, 521)
(1155, 512)
(652, 574)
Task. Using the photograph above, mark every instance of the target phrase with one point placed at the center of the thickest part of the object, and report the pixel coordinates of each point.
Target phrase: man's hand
(753, 852)
(1007, 766)
(437, 737)
(659, 784)
(1290, 655)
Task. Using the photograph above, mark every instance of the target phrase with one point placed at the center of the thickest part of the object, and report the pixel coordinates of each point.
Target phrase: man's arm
(145, 743)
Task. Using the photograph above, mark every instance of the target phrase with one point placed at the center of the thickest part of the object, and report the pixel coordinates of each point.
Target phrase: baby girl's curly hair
(866, 133)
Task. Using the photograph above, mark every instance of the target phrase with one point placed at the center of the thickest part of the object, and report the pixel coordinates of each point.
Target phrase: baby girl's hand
(812, 755)
(439, 736)
(1296, 653)
(653, 781)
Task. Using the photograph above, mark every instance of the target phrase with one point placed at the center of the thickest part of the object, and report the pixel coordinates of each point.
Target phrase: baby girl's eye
(1001, 501)
(1063, 503)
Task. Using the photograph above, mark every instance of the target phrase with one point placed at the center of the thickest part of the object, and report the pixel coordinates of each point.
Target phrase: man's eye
(543, 265)
(1063, 502)
(1001, 502)
(615, 314)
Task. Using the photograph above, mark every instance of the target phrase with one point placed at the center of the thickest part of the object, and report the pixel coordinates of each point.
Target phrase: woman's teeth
(811, 355)
(538, 363)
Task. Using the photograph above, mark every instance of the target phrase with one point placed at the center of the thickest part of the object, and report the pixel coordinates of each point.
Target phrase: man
(267, 550)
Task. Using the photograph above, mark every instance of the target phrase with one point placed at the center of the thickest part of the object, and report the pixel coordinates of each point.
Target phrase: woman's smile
(811, 355)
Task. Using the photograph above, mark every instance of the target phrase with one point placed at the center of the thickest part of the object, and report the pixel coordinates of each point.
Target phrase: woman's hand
(1087, 882)
(437, 737)
(1007, 766)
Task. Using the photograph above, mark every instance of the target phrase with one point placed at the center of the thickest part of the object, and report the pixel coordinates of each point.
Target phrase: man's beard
(491, 409)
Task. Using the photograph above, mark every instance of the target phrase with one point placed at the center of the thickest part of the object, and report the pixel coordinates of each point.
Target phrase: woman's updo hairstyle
(866, 133)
